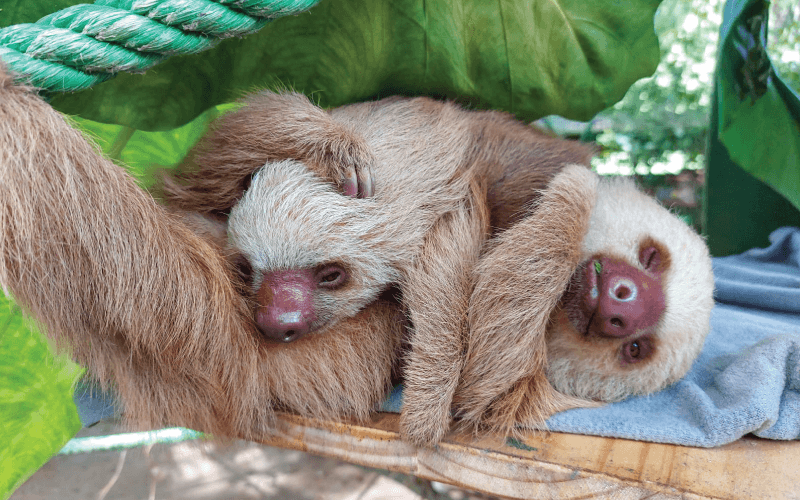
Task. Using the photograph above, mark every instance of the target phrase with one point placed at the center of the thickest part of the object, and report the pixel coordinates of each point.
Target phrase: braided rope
(82, 45)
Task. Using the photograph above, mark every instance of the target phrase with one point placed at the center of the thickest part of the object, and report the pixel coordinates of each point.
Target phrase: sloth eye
(328, 278)
(653, 256)
(242, 267)
(331, 277)
(649, 257)
(636, 350)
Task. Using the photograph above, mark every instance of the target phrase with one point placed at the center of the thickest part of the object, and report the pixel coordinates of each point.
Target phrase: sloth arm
(268, 127)
(518, 283)
(99, 264)
(518, 162)
(436, 296)
(515, 163)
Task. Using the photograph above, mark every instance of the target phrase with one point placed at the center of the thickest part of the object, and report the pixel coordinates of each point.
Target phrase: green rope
(82, 45)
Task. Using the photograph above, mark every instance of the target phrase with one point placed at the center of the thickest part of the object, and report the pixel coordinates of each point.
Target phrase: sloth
(427, 184)
(150, 300)
(598, 294)
(266, 283)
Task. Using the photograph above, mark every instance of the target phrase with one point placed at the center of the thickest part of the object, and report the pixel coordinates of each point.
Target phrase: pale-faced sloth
(599, 292)
(148, 300)
(249, 295)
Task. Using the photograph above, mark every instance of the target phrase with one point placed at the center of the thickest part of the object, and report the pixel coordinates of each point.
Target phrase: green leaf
(565, 57)
(30, 11)
(144, 153)
(37, 412)
(758, 115)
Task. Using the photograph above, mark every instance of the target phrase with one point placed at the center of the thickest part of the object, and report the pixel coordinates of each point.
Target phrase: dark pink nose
(628, 300)
(287, 305)
(282, 326)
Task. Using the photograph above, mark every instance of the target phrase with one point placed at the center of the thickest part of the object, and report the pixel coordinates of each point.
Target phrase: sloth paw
(423, 428)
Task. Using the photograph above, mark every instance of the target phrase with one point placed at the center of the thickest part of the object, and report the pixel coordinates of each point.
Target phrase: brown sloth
(260, 287)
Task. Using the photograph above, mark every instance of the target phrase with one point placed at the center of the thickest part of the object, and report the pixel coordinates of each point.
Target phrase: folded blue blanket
(746, 380)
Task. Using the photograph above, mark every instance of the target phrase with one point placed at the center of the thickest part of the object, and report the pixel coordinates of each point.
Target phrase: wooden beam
(549, 465)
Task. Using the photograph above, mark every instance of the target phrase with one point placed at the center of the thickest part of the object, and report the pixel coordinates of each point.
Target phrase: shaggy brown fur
(151, 300)
(217, 170)
(149, 306)
(518, 283)
(161, 303)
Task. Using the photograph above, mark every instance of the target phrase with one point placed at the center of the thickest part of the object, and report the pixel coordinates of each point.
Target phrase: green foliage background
(669, 112)
(758, 115)
(567, 57)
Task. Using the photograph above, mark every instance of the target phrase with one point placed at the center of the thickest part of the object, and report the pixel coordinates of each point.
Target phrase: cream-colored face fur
(592, 367)
(318, 226)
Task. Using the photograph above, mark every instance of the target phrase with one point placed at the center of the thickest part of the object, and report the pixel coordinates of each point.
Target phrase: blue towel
(94, 404)
(747, 378)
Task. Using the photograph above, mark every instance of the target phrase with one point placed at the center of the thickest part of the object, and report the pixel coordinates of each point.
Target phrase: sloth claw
(365, 185)
(357, 184)
(350, 183)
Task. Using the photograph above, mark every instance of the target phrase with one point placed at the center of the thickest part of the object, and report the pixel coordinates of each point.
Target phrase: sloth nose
(628, 301)
(618, 309)
(282, 326)
(286, 305)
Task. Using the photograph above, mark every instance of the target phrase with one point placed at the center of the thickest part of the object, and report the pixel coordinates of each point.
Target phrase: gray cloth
(747, 378)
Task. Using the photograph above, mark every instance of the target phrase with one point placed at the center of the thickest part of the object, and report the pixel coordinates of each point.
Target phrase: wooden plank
(549, 465)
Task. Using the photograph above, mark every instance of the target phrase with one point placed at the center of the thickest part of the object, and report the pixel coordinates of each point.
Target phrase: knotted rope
(82, 45)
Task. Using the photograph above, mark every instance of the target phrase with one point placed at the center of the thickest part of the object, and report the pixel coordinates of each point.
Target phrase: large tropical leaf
(758, 114)
(37, 414)
(533, 58)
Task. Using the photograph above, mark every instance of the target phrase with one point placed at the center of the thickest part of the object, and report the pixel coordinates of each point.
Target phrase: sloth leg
(436, 295)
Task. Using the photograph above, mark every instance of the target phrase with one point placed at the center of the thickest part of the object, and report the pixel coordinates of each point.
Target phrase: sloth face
(636, 312)
(316, 266)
